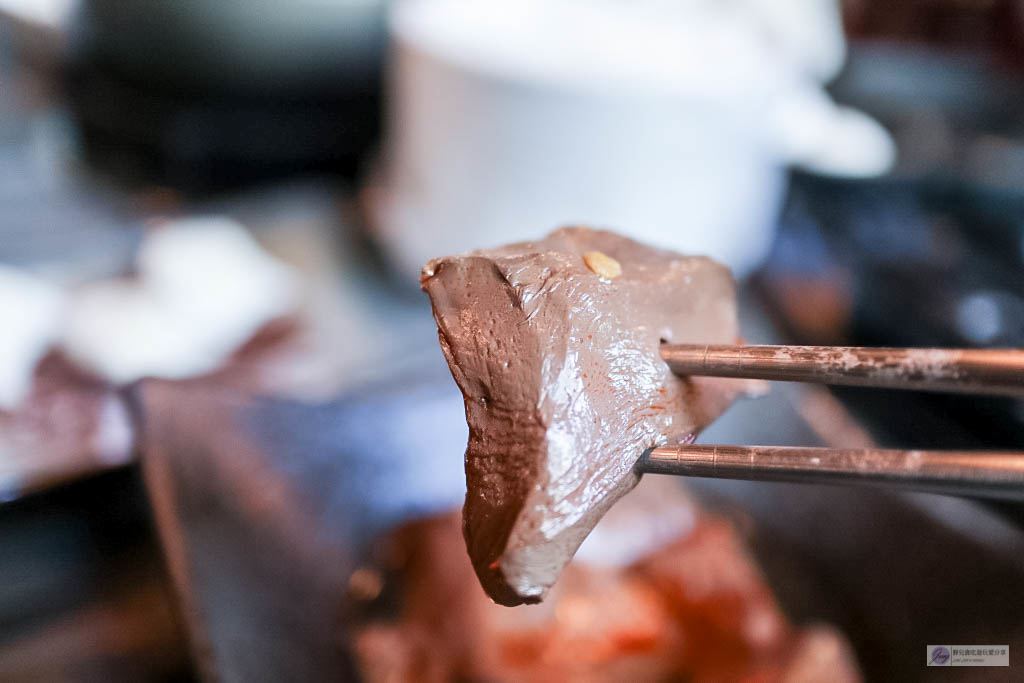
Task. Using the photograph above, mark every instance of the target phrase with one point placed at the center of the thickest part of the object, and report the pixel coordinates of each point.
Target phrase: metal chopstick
(982, 474)
(974, 371)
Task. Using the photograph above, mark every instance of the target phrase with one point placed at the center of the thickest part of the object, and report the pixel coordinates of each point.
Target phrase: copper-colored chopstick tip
(991, 474)
(974, 371)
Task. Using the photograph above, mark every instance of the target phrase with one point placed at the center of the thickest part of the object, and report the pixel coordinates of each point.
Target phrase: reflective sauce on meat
(554, 345)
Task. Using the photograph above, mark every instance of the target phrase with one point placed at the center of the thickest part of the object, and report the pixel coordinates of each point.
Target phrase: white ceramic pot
(507, 120)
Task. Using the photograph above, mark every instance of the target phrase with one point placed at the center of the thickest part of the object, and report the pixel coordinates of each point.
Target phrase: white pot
(508, 120)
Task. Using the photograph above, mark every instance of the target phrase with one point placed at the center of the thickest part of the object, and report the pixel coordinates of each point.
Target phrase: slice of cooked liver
(564, 386)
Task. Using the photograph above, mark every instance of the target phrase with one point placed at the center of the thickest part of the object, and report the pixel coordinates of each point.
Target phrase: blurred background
(212, 219)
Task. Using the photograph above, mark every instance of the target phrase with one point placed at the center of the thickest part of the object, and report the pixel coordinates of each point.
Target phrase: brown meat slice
(557, 357)
(70, 424)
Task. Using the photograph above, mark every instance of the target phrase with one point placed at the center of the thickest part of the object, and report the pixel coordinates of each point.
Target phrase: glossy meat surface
(554, 345)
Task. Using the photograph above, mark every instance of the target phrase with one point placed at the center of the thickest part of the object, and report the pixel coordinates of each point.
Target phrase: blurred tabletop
(84, 593)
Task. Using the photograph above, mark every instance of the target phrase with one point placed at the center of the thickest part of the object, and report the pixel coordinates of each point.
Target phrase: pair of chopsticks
(986, 474)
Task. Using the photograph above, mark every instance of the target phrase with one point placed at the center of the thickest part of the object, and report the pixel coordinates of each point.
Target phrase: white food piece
(204, 287)
(31, 310)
